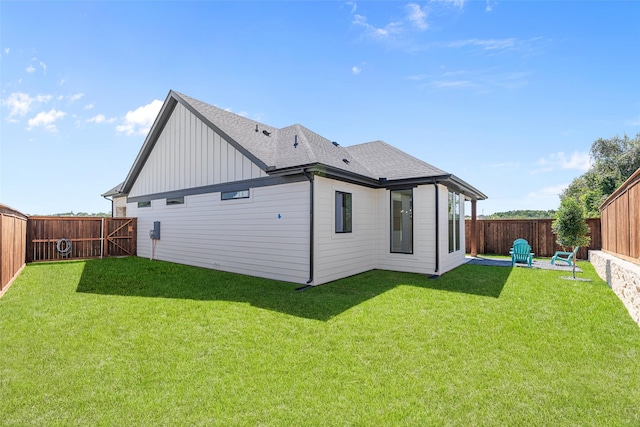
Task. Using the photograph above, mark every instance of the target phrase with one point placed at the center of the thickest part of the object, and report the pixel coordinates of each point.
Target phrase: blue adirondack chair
(565, 256)
(521, 252)
(518, 241)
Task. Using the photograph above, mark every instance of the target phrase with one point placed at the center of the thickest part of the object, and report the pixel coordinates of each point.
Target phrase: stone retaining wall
(623, 277)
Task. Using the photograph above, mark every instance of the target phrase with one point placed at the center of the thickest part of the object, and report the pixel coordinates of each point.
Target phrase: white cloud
(452, 84)
(139, 121)
(353, 5)
(20, 103)
(7, 50)
(489, 44)
(30, 69)
(46, 120)
(44, 67)
(489, 6)
(89, 106)
(456, 3)
(100, 118)
(417, 16)
(547, 192)
(356, 70)
(76, 97)
(505, 165)
(377, 32)
(561, 160)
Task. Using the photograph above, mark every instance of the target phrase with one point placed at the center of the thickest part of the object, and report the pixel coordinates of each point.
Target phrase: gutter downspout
(309, 176)
(111, 200)
(435, 185)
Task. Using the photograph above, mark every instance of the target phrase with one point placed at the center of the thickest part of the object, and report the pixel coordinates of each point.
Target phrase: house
(226, 192)
(118, 201)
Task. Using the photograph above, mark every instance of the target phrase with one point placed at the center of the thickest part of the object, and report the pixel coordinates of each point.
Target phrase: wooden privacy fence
(620, 215)
(63, 238)
(13, 238)
(496, 236)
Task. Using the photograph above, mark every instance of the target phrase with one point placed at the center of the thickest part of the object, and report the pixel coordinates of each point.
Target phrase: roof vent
(256, 128)
(266, 133)
(346, 161)
(295, 142)
(335, 143)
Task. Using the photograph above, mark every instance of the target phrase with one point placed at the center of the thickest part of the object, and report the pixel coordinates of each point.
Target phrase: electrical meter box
(155, 233)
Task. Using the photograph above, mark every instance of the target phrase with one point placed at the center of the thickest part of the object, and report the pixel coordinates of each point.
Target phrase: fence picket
(88, 235)
(496, 236)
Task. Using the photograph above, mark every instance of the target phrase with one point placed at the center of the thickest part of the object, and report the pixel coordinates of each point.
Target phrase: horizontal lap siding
(340, 255)
(189, 154)
(241, 236)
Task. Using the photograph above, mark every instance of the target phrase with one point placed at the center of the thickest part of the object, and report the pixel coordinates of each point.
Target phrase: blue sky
(507, 95)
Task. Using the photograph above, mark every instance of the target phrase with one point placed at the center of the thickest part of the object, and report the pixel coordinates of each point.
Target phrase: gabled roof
(114, 191)
(294, 149)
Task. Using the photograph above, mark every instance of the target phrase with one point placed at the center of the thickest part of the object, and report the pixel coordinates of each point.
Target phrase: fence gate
(63, 238)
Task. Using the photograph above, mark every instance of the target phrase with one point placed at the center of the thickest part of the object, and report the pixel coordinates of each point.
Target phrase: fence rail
(13, 237)
(621, 220)
(497, 236)
(63, 238)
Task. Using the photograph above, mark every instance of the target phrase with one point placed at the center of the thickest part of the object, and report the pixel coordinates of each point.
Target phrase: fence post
(103, 240)
(474, 230)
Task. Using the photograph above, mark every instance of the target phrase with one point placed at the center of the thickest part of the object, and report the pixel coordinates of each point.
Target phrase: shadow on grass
(141, 277)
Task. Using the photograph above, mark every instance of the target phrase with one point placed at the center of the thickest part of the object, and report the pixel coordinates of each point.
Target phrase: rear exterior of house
(286, 204)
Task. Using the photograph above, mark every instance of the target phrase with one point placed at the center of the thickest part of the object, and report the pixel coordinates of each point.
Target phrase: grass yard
(136, 342)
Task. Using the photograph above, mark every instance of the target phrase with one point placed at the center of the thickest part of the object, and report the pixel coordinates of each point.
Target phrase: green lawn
(136, 342)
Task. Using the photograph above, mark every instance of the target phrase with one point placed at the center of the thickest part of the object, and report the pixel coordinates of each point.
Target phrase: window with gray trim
(232, 195)
(144, 204)
(175, 200)
(343, 212)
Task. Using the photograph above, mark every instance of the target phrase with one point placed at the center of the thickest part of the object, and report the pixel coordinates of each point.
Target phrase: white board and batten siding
(339, 255)
(266, 235)
(190, 154)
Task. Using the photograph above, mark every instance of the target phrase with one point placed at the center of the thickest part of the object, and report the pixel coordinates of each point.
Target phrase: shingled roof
(283, 150)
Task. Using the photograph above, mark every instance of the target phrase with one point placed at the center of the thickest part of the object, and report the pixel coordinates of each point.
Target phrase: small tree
(570, 227)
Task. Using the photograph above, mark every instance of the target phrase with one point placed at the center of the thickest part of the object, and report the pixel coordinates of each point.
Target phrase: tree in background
(613, 161)
(570, 227)
(522, 214)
